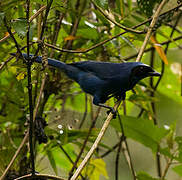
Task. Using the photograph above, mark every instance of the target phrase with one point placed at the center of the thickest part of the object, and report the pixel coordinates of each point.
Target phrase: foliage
(77, 30)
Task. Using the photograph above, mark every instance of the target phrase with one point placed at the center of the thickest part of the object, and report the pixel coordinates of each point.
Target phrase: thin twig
(37, 13)
(166, 168)
(115, 22)
(30, 20)
(149, 49)
(117, 157)
(85, 142)
(56, 31)
(14, 157)
(166, 49)
(85, 113)
(149, 32)
(96, 143)
(152, 94)
(44, 24)
(28, 176)
(5, 62)
(29, 86)
(12, 36)
(27, 134)
(67, 155)
(110, 150)
(127, 154)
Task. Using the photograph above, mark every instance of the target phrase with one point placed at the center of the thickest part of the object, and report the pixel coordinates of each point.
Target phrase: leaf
(159, 49)
(178, 140)
(61, 159)
(139, 97)
(103, 4)
(52, 161)
(129, 4)
(20, 26)
(6, 34)
(96, 168)
(88, 33)
(70, 37)
(1, 17)
(21, 76)
(178, 169)
(145, 176)
(141, 130)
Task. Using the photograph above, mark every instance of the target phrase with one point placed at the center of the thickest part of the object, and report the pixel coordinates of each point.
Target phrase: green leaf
(88, 33)
(129, 4)
(140, 97)
(1, 18)
(178, 140)
(52, 161)
(103, 4)
(40, 1)
(141, 130)
(61, 159)
(178, 169)
(20, 26)
(145, 176)
(96, 168)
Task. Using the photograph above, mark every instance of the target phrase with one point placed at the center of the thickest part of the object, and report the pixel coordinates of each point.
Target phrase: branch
(27, 134)
(30, 20)
(149, 49)
(127, 154)
(28, 176)
(85, 142)
(152, 24)
(96, 143)
(115, 22)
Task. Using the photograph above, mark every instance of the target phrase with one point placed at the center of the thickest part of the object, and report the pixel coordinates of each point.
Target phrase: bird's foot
(113, 112)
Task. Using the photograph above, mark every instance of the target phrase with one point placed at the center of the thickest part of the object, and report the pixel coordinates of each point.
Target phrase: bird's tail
(70, 71)
(51, 62)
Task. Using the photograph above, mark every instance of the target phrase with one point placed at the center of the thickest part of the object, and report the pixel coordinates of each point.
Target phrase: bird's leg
(110, 109)
(97, 101)
(120, 96)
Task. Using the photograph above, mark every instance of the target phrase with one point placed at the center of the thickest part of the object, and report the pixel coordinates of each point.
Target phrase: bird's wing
(105, 70)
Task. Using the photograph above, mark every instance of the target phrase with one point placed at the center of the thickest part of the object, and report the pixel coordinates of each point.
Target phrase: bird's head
(141, 71)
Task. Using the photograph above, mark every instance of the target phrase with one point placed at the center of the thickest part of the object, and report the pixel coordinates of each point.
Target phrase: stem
(84, 143)
(152, 24)
(30, 93)
(117, 157)
(96, 143)
(127, 155)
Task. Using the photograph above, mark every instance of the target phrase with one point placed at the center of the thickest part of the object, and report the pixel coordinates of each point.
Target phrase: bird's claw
(113, 112)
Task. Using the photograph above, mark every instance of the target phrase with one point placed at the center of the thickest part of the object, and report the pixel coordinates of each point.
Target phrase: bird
(102, 80)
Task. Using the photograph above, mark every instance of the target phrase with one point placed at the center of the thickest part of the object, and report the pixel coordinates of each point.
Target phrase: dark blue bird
(103, 80)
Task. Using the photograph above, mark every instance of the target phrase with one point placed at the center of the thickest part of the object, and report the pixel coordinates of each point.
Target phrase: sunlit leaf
(145, 176)
(70, 37)
(159, 49)
(6, 34)
(178, 170)
(21, 76)
(60, 157)
(97, 167)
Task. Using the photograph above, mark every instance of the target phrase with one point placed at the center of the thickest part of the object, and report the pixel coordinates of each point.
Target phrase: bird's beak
(154, 73)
